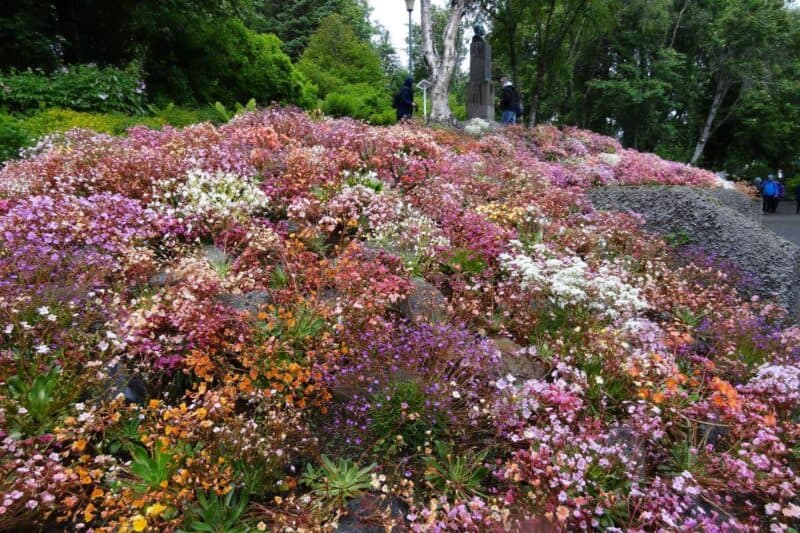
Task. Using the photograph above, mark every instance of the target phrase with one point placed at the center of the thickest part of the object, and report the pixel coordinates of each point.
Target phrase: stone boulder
(721, 223)
(514, 360)
(250, 302)
(424, 301)
(373, 513)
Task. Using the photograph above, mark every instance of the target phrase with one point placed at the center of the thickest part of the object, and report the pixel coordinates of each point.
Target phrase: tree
(442, 60)
(336, 57)
(740, 51)
(294, 21)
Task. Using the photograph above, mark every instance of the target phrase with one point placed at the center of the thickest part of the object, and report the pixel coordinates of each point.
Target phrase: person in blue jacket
(770, 192)
(404, 100)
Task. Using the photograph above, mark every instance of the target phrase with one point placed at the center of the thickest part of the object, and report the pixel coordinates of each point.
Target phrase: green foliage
(223, 114)
(59, 120)
(464, 261)
(458, 477)
(80, 87)
(687, 317)
(278, 278)
(42, 399)
(225, 61)
(152, 468)
(293, 21)
(180, 117)
(14, 135)
(678, 238)
(124, 435)
(338, 482)
(361, 101)
(18, 132)
(217, 514)
(401, 417)
(294, 330)
(648, 71)
(336, 57)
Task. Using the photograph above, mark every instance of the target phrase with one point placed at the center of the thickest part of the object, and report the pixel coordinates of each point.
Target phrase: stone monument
(480, 91)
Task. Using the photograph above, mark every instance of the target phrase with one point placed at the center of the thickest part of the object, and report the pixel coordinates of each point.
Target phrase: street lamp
(409, 8)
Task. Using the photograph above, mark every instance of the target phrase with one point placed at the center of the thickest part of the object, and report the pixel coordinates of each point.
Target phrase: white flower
(44, 311)
(772, 508)
(8, 329)
(42, 349)
(791, 511)
(456, 394)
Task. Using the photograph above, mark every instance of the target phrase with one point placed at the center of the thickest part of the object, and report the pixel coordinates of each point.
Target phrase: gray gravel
(725, 223)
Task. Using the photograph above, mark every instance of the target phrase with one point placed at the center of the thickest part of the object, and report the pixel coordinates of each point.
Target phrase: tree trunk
(705, 134)
(441, 65)
(678, 23)
(537, 95)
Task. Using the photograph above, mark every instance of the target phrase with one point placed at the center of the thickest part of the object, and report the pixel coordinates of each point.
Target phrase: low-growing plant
(402, 417)
(153, 468)
(217, 514)
(338, 482)
(459, 477)
(463, 260)
(40, 400)
(278, 278)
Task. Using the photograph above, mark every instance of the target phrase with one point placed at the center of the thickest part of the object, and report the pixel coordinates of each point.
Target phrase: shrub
(227, 62)
(80, 87)
(59, 120)
(335, 57)
(180, 117)
(362, 101)
(13, 136)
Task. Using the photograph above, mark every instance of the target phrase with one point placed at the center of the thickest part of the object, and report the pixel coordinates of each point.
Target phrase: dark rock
(633, 447)
(132, 387)
(707, 218)
(214, 254)
(713, 434)
(514, 361)
(164, 278)
(424, 301)
(373, 513)
(250, 302)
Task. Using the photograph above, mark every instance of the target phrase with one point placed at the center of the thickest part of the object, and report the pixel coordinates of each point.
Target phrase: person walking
(758, 183)
(770, 193)
(404, 100)
(797, 197)
(510, 102)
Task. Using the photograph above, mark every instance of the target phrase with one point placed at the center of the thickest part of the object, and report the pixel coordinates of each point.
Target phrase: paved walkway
(784, 222)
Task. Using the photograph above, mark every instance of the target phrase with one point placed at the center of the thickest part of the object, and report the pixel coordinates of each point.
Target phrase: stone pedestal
(480, 90)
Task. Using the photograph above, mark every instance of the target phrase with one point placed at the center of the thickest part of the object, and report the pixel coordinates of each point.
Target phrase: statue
(480, 90)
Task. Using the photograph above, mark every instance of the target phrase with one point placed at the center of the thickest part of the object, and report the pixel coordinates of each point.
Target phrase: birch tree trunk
(719, 95)
(441, 63)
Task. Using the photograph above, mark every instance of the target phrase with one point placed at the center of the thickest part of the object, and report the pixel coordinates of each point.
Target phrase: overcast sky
(392, 15)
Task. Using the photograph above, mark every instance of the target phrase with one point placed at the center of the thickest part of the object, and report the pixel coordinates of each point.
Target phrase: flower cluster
(246, 327)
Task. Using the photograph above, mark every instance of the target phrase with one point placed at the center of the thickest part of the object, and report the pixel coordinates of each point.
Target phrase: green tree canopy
(336, 57)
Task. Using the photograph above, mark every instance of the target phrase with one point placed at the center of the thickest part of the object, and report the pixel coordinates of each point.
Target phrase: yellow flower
(156, 509)
(139, 522)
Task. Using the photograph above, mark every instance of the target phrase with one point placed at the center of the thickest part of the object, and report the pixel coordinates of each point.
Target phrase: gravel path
(785, 223)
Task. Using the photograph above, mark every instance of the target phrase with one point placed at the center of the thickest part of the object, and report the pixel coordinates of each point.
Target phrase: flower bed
(217, 328)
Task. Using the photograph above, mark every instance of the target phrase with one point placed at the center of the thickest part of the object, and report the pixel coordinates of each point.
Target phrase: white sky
(392, 15)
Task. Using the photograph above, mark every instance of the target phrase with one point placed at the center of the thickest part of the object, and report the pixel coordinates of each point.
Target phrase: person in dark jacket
(510, 102)
(797, 198)
(404, 100)
(770, 192)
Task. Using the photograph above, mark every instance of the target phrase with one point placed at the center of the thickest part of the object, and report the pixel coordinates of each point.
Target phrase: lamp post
(409, 8)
